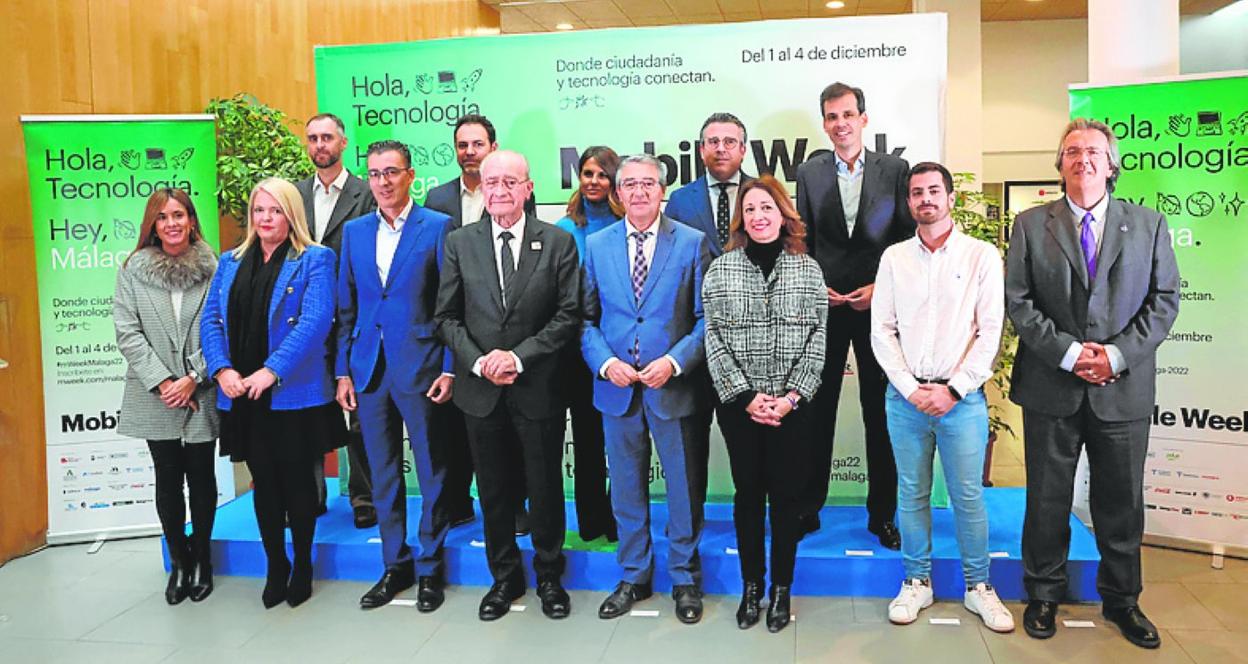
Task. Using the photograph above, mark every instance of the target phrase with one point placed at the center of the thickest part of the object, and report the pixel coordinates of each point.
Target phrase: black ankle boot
(300, 588)
(276, 582)
(778, 612)
(201, 577)
(179, 584)
(750, 609)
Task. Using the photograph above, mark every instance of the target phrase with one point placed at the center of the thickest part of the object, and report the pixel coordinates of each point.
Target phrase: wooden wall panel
(147, 56)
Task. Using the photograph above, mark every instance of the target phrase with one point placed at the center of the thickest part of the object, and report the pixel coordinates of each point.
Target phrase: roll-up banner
(90, 177)
(649, 90)
(1184, 152)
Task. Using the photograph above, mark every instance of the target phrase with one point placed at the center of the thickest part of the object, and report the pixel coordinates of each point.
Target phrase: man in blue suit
(392, 367)
(708, 204)
(643, 334)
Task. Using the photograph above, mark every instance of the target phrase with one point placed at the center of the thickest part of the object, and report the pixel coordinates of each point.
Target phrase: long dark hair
(792, 231)
(609, 162)
(155, 203)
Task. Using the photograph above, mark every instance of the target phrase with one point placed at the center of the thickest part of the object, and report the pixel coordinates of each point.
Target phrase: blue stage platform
(841, 559)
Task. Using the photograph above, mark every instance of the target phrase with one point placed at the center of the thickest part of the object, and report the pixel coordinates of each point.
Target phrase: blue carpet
(823, 568)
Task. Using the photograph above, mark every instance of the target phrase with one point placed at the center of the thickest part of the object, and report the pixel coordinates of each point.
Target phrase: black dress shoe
(175, 591)
(201, 580)
(276, 583)
(555, 601)
(497, 602)
(300, 588)
(808, 524)
(621, 601)
(887, 533)
(1134, 625)
(522, 522)
(779, 611)
(1040, 619)
(393, 582)
(365, 516)
(429, 593)
(688, 603)
(750, 608)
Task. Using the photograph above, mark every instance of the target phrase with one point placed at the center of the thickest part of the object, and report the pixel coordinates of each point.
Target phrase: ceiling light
(563, 26)
(835, 4)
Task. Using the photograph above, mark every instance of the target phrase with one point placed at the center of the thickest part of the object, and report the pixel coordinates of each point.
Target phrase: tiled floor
(63, 604)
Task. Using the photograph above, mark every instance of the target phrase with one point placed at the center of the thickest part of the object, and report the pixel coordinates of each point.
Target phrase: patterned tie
(721, 213)
(1088, 240)
(640, 270)
(509, 263)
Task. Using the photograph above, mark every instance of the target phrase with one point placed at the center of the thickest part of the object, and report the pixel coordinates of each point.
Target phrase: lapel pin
(536, 245)
(1123, 228)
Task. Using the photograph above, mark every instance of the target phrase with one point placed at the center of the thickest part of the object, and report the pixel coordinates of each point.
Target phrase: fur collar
(155, 268)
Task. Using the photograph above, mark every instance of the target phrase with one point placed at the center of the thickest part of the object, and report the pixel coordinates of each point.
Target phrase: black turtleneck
(764, 255)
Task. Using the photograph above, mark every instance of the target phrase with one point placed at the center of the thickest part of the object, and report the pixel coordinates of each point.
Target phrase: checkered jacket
(765, 336)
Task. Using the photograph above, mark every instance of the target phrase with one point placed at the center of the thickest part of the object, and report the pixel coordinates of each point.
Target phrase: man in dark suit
(464, 201)
(391, 367)
(1092, 288)
(708, 204)
(330, 198)
(854, 204)
(643, 334)
(509, 302)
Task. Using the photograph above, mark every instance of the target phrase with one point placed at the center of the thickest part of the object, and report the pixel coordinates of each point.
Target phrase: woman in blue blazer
(265, 335)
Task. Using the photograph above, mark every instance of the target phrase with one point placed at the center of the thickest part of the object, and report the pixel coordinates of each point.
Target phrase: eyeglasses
(1074, 153)
(388, 174)
(729, 142)
(503, 183)
(639, 183)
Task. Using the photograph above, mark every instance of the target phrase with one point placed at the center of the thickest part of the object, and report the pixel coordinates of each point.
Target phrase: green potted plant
(254, 141)
(971, 213)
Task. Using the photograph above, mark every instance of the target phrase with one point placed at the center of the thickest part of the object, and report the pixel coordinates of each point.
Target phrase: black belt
(933, 381)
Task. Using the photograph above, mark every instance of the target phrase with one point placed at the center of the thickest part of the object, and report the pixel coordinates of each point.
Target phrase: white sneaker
(982, 600)
(915, 595)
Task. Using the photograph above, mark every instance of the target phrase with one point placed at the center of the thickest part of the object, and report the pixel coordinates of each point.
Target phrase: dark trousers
(493, 440)
(589, 457)
(699, 441)
(359, 487)
(193, 463)
(285, 492)
(1116, 454)
(448, 429)
(846, 326)
(769, 464)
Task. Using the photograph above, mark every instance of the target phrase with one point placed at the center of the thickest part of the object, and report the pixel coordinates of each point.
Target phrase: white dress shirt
(324, 199)
(850, 184)
(647, 252)
(388, 240)
(471, 203)
(937, 315)
(1116, 361)
(712, 191)
(517, 232)
(175, 298)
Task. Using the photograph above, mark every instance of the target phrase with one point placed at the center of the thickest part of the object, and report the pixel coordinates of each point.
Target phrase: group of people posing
(477, 327)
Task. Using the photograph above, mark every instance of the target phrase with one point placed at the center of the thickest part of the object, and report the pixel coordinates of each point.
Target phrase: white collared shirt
(1116, 361)
(712, 190)
(324, 200)
(388, 240)
(471, 203)
(938, 314)
(517, 232)
(850, 184)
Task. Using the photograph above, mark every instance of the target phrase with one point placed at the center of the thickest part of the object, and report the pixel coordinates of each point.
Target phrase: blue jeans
(961, 435)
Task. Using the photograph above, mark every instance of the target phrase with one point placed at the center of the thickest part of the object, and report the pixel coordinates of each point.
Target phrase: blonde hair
(288, 198)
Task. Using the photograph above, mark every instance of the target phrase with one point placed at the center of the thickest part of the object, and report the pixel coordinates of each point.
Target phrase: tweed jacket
(301, 312)
(157, 346)
(765, 336)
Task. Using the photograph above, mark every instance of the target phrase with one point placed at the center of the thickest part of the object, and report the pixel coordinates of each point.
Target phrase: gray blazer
(1131, 304)
(765, 336)
(156, 348)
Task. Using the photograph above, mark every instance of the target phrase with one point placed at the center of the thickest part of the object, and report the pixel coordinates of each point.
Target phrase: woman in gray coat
(168, 399)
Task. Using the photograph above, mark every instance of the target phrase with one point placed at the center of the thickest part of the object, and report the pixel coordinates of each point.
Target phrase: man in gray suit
(1092, 288)
(508, 303)
(331, 197)
(854, 204)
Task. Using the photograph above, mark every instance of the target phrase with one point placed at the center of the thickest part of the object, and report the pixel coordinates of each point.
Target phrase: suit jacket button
(379, 326)
(641, 319)
(290, 289)
(291, 320)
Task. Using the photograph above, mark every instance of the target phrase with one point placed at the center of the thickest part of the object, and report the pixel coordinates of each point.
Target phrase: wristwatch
(194, 375)
(792, 402)
(957, 396)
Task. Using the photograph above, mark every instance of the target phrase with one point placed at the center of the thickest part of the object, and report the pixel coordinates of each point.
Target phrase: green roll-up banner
(90, 177)
(1184, 152)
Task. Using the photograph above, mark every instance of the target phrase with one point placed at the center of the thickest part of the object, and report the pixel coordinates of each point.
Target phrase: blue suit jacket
(691, 205)
(301, 312)
(667, 320)
(400, 310)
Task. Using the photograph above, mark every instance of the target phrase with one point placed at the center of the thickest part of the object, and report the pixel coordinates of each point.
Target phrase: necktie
(721, 213)
(509, 263)
(1088, 240)
(640, 270)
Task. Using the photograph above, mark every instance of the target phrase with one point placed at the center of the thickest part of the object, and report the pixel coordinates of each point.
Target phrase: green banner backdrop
(1184, 152)
(90, 177)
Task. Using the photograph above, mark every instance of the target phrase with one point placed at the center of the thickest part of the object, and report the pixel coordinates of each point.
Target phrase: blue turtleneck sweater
(597, 217)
